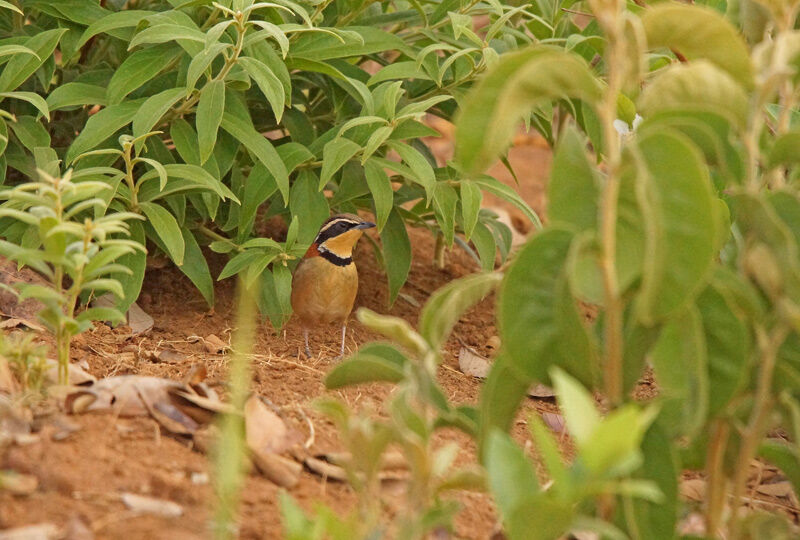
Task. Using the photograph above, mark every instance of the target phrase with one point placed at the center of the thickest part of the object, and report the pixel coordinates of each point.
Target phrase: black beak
(365, 225)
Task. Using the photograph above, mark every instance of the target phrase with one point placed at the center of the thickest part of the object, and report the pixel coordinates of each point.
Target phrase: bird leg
(344, 332)
(305, 336)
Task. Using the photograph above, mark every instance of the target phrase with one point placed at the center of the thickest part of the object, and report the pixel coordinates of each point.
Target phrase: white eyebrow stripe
(335, 221)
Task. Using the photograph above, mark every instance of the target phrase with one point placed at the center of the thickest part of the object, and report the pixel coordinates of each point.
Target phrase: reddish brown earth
(82, 476)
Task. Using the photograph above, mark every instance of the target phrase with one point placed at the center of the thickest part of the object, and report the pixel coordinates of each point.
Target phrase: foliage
(338, 87)
(685, 236)
(75, 257)
(683, 229)
(26, 359)
(417, 409)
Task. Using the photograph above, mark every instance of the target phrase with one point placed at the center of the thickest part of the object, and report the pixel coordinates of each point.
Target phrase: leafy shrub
(75, 257)
(195, 85)
(683, 227)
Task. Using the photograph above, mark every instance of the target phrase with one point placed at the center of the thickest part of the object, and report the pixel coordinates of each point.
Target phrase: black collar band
(335, 259)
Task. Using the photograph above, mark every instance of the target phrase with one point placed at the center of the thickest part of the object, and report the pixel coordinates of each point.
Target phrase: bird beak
(365, 225)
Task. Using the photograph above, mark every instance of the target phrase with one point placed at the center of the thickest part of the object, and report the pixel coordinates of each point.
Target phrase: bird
(325, 282)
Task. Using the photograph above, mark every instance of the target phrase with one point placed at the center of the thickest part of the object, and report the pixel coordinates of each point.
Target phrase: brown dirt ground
(82, 475)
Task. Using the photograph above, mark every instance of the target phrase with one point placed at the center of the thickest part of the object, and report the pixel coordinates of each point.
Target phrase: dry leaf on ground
(42, 531)
(473, 364)
(214, 345)
(18, 483)
(693, 489)
(150, 505)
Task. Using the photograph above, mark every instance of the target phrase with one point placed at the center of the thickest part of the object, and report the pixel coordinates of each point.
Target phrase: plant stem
(613, 330)
(717, 481)
(757, 425)
(231, 452)
(438, 257)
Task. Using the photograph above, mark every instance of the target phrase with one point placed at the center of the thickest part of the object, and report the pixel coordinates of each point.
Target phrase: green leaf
(267, 82)
(521, 81)
(136, 262)
(319, 46)
(698, 85)
(423, 171)
(200, 63)
(698, 32)
(784, 150)
(309, 204)
(728, 343)
(22, 66)
(680, 364)
(209, 115)
(470, 206)
(239, 262)
(539, 323)
(260, 147)
(661, 467)
(573, 190)
(374, 362)
(34, 99)
(152, 110)
(30, 132)
(382, 193)
(275, 300)
(196, 268)
(396, 253)
(101, 126)
(448, 304)
(445, 200)
(163, 33)
(512, 478)
(495, 187)
(675, 196)
(75, 94)
(613, 446)
(550, 519)
(577, 405)
(128, 18)
(100, 314)
(336, 153)
(398, 70)
(167, 229)
(137, 69)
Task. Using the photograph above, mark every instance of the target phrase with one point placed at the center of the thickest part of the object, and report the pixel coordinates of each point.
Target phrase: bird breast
(323, 292)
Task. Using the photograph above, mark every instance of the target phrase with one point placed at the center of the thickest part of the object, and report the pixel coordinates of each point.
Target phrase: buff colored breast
(322, 292)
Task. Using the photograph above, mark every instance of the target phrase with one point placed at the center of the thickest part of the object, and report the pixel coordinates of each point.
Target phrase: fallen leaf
(776, 489)
(280, 470)
(214, 345)
(265, 431)
(554, 421)
(139, 321)
(201, 409)
(76, 374)
(18, 483)
(493, 342)
(326, 469)
(473, 364)
(121, 394)
(42, 531)
(77, 529)
(14, 322)
(168, 356)
(693, 489)
(541, 391)
(205, 438)
(150, 505)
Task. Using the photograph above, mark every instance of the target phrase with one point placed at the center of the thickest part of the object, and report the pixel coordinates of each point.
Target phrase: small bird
(325, 283)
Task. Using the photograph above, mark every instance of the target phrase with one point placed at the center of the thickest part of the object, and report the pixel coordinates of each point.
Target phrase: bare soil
(81, 476)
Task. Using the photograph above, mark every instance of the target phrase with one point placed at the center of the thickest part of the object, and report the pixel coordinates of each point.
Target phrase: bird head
(340, 233)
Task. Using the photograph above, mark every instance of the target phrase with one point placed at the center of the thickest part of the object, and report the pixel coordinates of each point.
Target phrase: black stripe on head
(337, 225)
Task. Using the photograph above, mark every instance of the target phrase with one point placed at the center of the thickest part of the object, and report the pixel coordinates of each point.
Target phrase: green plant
(418, 408)
(26, 359)
(211, 78)
(74, 255)
(685, 237)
